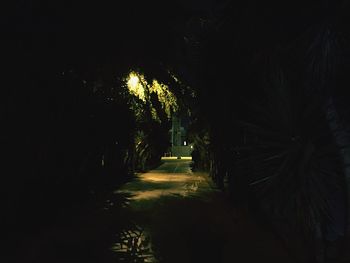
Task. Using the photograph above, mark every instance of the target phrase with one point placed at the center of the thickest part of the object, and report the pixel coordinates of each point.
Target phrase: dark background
(62, 61)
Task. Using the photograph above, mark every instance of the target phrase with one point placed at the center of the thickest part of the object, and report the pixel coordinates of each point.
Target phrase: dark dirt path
(184, 219)
(167, 215)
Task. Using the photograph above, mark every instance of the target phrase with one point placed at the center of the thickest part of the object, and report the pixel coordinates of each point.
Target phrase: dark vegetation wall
(69, 129)
(269, 129)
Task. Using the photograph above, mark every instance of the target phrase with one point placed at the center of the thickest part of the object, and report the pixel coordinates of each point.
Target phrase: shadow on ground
(200, 229)
(167, 215)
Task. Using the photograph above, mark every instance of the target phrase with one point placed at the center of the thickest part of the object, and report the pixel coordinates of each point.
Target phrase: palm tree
(289, 148)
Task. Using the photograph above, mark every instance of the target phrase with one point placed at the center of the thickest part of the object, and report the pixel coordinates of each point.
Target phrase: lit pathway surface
(181, 218)
(173, 177)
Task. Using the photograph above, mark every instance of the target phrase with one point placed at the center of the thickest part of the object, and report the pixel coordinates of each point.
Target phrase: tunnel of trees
(265, 86)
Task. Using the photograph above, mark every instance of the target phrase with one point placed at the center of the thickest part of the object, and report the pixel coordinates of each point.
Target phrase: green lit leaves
(139, 88)
(165, 97)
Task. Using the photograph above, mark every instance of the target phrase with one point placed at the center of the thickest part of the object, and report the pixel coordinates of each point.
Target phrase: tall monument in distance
(179, 144)
(176, 131)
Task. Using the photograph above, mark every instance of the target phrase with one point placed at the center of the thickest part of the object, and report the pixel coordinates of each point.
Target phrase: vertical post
(176, 135)
(172, 131)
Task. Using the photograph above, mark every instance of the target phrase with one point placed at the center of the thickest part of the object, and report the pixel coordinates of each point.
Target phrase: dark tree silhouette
(271, 73)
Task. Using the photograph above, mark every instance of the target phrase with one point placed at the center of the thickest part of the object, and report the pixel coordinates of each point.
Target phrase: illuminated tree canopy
(139, 88)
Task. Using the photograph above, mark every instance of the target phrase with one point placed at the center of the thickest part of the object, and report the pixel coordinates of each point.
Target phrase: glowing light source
(135, 86)
(133, 81)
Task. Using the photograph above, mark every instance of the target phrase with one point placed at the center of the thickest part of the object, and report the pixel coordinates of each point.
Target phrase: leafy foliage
(263, 84)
